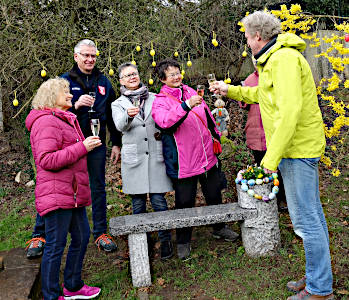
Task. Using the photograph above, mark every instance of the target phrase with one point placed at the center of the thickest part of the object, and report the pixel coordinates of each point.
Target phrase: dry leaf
(160, 281)
(343, 292)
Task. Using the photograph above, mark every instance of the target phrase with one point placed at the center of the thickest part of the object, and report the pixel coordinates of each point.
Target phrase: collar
(266, 47)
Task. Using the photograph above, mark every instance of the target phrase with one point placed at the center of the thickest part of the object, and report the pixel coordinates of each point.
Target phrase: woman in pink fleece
(62, 188)
(187, 127)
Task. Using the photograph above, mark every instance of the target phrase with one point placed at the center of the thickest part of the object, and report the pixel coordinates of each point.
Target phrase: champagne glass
(93, 95)
(200, 90)
(211, 78)
(95, 125)
(136, 100)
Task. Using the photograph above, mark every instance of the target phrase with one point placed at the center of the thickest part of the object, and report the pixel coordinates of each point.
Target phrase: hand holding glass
(93, 95)
(95, 125)
(200, 90)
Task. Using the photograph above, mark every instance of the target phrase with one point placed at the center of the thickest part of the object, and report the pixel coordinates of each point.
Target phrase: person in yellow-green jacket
(295, 139)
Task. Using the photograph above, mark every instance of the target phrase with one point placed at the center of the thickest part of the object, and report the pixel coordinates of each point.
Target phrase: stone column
(260, 235)
(139, 259)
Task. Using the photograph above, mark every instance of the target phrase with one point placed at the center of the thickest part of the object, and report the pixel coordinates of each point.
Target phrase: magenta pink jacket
(255, 137)
(60, 159)
(191, 153)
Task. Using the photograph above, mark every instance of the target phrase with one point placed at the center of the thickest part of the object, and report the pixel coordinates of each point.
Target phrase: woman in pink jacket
(62, 188)
(187, 127)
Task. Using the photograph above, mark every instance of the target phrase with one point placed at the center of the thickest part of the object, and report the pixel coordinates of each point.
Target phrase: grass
(216, 270)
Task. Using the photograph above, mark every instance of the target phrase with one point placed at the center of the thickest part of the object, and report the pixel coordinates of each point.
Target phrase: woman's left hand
(132, 111)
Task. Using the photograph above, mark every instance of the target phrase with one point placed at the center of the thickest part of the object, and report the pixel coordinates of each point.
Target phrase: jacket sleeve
(243, 93)
(115, 135)
(167, 116)
(121, 119)
(287, 86)
(47, 140)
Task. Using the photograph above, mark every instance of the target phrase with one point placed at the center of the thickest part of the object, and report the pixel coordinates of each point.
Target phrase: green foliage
(253, 172)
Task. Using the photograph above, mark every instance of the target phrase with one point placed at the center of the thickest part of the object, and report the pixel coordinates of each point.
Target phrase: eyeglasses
(87, 55)
(134, 74)
(173, 75)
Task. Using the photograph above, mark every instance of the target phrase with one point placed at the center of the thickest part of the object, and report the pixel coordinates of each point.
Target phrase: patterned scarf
(142, 91)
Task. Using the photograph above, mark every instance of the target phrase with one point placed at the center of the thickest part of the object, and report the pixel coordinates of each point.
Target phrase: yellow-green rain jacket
(289, 107)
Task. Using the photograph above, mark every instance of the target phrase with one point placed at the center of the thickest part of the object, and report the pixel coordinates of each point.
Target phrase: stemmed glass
(136, 100)
(95, 126)
(211, 78)
(93, 95)
(200, 89)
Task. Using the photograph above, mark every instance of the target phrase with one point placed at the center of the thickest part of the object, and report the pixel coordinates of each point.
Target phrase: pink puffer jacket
(60, 159)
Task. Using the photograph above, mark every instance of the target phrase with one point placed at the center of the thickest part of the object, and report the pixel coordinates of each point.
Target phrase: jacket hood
(37, 113)
(288, 40)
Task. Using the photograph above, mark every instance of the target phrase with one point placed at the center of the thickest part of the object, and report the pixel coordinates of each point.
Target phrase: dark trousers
(57, 225)
(158, 202)
(185, 194)
(96, 171)
(281, 196)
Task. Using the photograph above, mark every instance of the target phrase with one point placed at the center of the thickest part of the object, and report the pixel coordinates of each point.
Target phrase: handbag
(217, 148)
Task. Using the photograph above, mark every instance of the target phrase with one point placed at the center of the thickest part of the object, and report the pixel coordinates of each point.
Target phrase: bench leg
(139, 259)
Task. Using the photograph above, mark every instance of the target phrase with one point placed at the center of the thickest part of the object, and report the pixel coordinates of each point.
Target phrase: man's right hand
(219, 87)
(84, 100)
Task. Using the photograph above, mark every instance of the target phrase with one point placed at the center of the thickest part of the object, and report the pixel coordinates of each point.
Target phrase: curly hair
(48, 92)
(164, 65)
(266, 24)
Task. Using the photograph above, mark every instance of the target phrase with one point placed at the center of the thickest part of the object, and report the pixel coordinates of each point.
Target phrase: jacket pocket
(129, 153)
(159, 153)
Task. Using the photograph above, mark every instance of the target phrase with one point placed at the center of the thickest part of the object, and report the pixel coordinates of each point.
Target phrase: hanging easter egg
(15, 102)
(183, 72)
(214, 42)
(189, 63)
(251, 182)
(251, 192)
(271, 196)
(175, 54)
(275, 189)
(259, 181)
(152, 52)
(134, 62)
(138, 48)
(153, 64)
(244, 54)
(43, 73)
(276, 182)
(151, 81)
(97, 53)
(274, 175)
(244, 187)
(228, 80)
(111, 72)
(346, 37)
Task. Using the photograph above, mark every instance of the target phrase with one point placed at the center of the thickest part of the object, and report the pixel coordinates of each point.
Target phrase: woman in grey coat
(142, 163)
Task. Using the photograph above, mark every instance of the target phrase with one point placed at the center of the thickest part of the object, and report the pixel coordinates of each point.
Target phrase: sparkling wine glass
(136, 100)
(95, 126)
(93, 95)
(211, 78)
(200, 89)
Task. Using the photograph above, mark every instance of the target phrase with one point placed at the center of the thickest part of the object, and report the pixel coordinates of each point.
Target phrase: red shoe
(86, 292)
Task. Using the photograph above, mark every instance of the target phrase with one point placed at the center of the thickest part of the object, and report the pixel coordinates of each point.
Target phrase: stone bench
(259, 229)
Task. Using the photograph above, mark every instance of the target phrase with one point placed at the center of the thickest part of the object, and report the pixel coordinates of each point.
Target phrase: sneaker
(183, 251)
(166, 249)
(35, 247)
(304, 295)
(296, 286)
(225, 233)
(106, 242)
(86, 292)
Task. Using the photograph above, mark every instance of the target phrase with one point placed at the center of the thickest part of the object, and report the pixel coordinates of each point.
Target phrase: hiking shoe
(183, 251)
(166, 249)
(225, 233)
(105, 242)
(304, 295)
(296, 286)
(35, 247)
(86, 292)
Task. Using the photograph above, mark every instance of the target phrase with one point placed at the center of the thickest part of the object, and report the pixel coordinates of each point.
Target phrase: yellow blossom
(334, 148)
(336, 172)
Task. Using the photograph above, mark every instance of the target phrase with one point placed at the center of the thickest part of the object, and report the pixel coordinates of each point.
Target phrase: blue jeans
(39, 228)
(57, 225)
(301, 181)
(158, 202)
(96, 172)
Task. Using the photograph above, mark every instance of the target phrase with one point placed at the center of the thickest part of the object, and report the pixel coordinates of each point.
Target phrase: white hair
(84, 42)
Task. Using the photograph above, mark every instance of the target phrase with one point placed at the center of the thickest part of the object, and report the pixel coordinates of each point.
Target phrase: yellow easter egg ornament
(111, 72)
(138, 48)
(151, 81)
(152, 52)
(43, 73)
(153, 63)
(244, 54)
(214, 42)
(189, 63)
(15, 102)
(134, 62)
(183, 73)
(228, 80)
(97, 53)
(175, 54)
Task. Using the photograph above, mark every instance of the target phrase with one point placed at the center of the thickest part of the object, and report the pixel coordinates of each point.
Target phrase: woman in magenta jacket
(62, 187)
(187, 127)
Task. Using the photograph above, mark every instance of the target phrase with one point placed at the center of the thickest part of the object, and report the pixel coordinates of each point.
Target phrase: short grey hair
(84, 42)
(125, 65)
(265, 23)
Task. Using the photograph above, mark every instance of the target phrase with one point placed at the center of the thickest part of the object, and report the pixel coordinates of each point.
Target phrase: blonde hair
(266, 24)
(48, 92)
